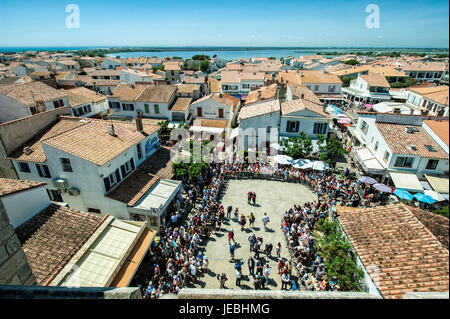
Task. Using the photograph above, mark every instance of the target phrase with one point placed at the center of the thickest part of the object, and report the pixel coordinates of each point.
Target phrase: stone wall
(14, 267)
(193, 293)
(38, 292)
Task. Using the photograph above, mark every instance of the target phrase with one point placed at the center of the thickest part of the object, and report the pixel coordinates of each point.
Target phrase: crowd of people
(297, 224)
(177, 257)
(335, 188)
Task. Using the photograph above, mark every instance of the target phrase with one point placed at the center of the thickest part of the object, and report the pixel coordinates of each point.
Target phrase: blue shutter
(118, 175)
(107, 184)
(124, 172)
(325, 126)
(315, 128)
(47, 172)
(132, 164)
(288, 126)
(297, 125)
(39, 170)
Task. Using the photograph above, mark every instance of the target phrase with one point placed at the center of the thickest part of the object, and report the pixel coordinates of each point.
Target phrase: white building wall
(210, 110)
(11, 109)
(22, 206)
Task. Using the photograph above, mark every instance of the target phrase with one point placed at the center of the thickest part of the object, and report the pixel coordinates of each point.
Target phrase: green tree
(298, 146)
(201, 57)
(204, 65)
(351, 62)
(409, 82)
(330, 149)
(339, 256)
(346, 80)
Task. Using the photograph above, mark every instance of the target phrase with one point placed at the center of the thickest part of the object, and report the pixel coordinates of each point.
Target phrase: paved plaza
(273, 198)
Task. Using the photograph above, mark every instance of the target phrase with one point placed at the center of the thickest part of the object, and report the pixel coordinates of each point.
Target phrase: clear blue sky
(411, 23)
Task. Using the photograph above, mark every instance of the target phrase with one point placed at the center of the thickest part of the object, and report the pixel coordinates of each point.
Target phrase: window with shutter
(39, 170)
(107, 184)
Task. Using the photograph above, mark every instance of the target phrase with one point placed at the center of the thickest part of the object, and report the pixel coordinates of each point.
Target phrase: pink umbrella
(344, 121)
(343, 116)
(369, 106)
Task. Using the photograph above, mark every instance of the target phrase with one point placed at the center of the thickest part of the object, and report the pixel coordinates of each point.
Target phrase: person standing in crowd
(278, 250)
(229, 210)
(252, 241)
(268, 249)
(243, 222)
(249, 197)
(232, 249)
(285, 281)
(251, 266)
(251, 219)
(254, 198)
(238, 276)
(231, 236)
(260, 267)
(265, 219)
(222, 279)
(236, 214)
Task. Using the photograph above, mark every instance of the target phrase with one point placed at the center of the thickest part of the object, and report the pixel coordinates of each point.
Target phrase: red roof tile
(407, 255)
(51, 238)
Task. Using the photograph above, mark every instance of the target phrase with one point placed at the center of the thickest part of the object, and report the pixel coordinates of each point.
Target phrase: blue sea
(227, 53)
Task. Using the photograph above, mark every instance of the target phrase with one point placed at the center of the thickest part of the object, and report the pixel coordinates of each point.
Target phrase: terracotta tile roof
(101, 82)
(195, 80)
(10, 186)
(252, 76)
(37, 152)
(438, 94)
(224, 99)
(259, 109)
(181, 104)
(399, 141)
(437, 224)
(188, 88)
(76, 99)
(93, 143)
(210, 123)
(214, 86)
(375, 80)
(157, 93)
(126, 92)
(159, 164)
(90, 94)
(131, 190)
(229, 77)
(52, 237)
(234, 67)
(302, 104)
(289, 77)
(29, 93)
(440, 128)
(299, 90)
(267, 93)
(105, 73)
(407, 255)
(313, 77)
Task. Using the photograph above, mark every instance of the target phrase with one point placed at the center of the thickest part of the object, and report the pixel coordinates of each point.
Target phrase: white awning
(368, 161)
(406, 181)
(439, 184)
(213, 130)
(159, 196)
(234, 133)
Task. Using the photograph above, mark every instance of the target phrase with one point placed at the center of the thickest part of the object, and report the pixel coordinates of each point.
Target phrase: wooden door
(199, 112)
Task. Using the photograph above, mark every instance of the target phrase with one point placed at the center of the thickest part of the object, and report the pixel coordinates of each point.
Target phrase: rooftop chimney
(139, 125)
(111, 130)
(259, 95)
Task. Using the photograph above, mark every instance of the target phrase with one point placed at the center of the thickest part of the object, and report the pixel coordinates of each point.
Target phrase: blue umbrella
(424, 198)
(401, 193)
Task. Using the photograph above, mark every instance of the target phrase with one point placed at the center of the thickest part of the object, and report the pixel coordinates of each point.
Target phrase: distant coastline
(224, 52)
